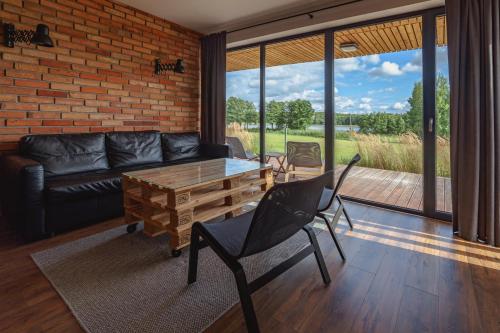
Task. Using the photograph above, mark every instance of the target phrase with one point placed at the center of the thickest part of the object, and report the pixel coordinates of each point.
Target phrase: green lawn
(275, 142)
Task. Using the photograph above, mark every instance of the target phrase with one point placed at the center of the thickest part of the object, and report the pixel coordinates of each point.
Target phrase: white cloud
(383, 107)
(336, 90)
(371, 59)
(410, 67)
(365, 107)
(343, 102)
(379, 91)
(387, 69)
(366, 99)
(348, 65)
(399, 106)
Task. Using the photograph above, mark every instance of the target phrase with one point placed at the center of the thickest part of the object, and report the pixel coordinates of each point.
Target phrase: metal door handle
(431, 125)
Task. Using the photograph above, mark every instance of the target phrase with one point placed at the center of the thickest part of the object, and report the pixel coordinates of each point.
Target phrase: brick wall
(99, 74)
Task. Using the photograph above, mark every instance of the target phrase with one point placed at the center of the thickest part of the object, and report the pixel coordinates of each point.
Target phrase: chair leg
(193, 256)
(334, 237)
(246, 301)
(348, 218)
(318, 254)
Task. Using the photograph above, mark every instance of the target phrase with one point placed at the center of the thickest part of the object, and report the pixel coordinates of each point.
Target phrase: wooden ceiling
(380, 38)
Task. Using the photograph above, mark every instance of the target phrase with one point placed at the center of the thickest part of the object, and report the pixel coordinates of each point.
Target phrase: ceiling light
(349, 47)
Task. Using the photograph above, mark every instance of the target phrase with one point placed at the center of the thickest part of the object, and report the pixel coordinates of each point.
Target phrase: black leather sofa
(62, 182)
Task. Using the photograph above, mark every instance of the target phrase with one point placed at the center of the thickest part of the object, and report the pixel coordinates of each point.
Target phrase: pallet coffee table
(170, 199)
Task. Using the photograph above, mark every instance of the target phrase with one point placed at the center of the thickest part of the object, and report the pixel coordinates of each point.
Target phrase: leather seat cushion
(177, 146)
(89, 184)
(82, 186)
(133, 148)
(63, 154)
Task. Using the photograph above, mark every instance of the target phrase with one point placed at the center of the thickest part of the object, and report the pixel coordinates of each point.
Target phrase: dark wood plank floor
(404, 273)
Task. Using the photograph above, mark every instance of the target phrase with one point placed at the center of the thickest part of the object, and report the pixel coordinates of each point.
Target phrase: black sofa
(65, 181)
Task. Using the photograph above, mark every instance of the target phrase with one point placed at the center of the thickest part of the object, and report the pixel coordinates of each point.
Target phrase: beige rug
(119, 282)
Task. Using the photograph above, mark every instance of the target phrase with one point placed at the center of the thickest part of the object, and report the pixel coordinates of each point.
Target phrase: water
(317, 127)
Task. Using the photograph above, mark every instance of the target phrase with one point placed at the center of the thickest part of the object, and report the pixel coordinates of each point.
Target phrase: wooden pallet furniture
(170, 199)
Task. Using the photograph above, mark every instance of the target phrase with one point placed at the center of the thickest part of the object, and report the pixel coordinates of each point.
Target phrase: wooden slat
(402, 35)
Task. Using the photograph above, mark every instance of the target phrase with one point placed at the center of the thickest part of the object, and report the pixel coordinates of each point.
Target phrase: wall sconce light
(38, 37)
(177, 67)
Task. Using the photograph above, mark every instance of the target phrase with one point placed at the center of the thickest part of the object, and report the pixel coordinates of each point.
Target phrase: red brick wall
(99, 74)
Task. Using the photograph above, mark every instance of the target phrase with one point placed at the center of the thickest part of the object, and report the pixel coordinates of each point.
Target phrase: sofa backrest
(133, 148)
(62, 154)
(178, 146)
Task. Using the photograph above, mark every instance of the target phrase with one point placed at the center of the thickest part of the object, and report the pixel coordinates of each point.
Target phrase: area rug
(119, 282)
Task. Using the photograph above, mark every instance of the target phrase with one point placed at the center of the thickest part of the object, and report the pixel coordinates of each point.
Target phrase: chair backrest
(236, 147)
(284, 210)
(343, 176)
(303, 154)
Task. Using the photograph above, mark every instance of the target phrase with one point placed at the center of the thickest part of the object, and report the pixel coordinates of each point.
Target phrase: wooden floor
(394, 188)
(403, 273)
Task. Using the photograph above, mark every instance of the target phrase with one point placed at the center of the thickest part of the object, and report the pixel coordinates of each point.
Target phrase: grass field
(275, 142)
(388, 152)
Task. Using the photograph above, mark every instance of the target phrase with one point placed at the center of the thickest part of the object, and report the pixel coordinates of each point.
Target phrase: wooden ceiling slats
(379, 38)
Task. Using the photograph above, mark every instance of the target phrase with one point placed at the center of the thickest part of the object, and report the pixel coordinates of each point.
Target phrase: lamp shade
(41, 36)
(179, 66)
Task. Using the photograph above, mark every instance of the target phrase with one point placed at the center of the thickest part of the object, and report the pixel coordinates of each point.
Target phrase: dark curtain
(474, 60)
(213, 88)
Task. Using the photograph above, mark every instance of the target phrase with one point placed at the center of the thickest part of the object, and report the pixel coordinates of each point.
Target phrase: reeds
(246, 138)
(402, 153)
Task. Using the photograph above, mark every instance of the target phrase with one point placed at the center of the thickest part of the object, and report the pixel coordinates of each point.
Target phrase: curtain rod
(309, 13)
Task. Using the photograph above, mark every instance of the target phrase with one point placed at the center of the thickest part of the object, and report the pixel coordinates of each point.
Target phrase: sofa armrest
(213, 150)
(22, 194)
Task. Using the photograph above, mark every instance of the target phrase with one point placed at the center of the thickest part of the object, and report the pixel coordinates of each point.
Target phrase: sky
(374, 83)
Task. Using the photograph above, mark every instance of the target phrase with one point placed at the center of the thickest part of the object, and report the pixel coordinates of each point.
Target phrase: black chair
(326, 202)
(283, 211)
(238, 150)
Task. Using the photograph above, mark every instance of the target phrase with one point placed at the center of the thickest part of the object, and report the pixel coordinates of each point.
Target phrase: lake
(316, 127)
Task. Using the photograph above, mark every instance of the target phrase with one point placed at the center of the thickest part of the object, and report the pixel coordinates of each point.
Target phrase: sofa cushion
(62, 154)
(82, 186)
(132, 148)
(178, 146)
(89, 184)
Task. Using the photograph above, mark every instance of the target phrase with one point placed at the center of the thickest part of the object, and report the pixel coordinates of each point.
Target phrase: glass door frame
(429, 94)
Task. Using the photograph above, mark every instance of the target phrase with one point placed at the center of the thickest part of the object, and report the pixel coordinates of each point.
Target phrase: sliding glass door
(243, 98)
(379, 111)
(378, 88)
(442, 116)
(295, 93)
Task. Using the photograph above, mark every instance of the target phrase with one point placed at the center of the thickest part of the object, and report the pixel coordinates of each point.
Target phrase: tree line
(299, 114)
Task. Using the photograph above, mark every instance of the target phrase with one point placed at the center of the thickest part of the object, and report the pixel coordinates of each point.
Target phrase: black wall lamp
(38, 37)
(177, 67)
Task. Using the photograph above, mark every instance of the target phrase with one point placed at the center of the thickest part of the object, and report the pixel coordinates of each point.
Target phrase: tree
(240, 111)
(442, 106)
(275, 114)
(251, 116)
(414, 117)
(300, 114)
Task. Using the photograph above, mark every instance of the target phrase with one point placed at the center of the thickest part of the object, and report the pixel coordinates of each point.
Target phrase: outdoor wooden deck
(402, 189)
(396, 188)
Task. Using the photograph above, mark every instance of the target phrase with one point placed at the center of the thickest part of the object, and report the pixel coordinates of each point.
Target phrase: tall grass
(246, 138)
(395, 152)
(403, 154)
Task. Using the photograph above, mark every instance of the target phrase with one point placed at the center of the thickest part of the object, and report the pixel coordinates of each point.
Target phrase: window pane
(443, 172)
(295, 93)
(242, 103)
(379, 111)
